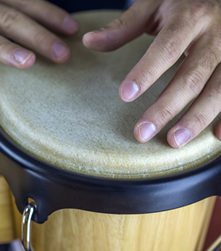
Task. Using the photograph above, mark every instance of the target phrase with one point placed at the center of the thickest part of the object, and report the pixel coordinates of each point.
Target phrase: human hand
(192, 27)
(23, 22)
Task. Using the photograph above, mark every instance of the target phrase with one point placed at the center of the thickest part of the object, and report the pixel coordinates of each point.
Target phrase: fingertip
(61, 52)
(129, 91)
(171, 140)
(144, 131)
(218, 130)
(65, 58)
(104, 39)
(30, 61)
(136, 133)
(23, 58)
(70, 26)
(178, 137)
(87, 39)
(96, 40)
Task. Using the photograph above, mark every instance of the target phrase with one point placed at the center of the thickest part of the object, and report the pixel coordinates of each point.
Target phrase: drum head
(70, 116)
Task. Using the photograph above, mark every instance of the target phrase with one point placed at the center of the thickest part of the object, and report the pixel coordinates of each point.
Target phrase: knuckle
(170, 48)
(199, 9)
(204, 9)
(6, 51)
(3, 46)
(201, 120)
(8, 18)
(216, 43)
(39, 39)
(145, 77)
(23, 4)
(215, 91)
(193, 82)
(165, 114)
(210, 59)
(118, 22)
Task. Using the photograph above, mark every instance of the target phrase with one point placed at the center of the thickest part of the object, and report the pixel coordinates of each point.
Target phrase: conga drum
(67, 143)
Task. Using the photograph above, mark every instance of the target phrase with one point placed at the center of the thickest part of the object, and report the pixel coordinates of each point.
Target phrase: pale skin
(192, 27)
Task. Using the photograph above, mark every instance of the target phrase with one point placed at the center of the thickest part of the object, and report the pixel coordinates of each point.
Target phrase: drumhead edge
(53, 188)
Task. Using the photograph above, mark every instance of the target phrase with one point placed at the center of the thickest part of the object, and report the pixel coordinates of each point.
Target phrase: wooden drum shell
(75, 230)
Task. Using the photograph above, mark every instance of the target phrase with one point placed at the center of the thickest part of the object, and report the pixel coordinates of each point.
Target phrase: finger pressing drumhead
(165, 50)
(22, 29)
(201, 113)
(14, 55)
(128, 26)
(47, 14)
(186, 85)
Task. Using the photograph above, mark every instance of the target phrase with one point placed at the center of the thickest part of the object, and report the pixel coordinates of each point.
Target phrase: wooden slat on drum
(17, 219)
(75, 230)
(6, 216)
(208, 215)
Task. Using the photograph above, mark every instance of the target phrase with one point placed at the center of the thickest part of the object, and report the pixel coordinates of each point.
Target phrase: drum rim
(24, 157)
(209, 172)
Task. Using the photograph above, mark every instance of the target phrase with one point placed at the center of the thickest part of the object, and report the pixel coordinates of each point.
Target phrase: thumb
(131, 24)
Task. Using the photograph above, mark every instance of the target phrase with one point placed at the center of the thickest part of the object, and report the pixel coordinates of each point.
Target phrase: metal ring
(26, 226)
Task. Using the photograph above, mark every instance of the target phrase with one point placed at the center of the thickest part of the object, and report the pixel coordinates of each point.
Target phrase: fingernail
(70, 25)
(22, 56)
(146, 131)
(181, 136)
(95, 31)
(129, 91)
(59, 50)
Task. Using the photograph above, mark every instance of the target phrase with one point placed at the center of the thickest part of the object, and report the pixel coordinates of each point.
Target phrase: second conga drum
(71, 117)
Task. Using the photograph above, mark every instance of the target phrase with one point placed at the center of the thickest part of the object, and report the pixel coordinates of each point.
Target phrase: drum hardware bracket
(28, 213)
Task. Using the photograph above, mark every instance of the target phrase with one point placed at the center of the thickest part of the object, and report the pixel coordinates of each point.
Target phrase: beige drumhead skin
(70, 115)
